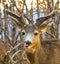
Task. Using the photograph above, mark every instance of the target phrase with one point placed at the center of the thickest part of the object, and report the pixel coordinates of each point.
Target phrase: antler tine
(30, 21)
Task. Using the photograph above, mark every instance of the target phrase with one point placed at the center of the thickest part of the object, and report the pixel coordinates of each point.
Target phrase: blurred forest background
(32, 9)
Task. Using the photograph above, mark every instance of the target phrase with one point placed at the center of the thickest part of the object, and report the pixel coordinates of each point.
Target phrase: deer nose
(28, 42)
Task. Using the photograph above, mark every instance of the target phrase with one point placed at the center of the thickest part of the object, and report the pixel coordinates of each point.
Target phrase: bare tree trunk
(38, 8)
(31, 12)
(24, 4)
(48, 6)
(57, 5)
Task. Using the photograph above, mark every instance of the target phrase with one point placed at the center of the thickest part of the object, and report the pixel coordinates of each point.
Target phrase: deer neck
(33, 57)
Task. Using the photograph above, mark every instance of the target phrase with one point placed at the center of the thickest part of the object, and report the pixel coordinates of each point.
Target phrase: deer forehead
(30, 29)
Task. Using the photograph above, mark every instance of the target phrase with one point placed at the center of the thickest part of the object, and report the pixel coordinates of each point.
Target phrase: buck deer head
(30, 33)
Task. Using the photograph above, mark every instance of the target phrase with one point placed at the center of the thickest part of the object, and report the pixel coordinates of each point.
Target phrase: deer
(2, 51)
(38, 52)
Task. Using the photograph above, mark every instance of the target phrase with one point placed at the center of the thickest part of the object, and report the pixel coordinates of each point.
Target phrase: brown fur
(47, 53)
(2, 51)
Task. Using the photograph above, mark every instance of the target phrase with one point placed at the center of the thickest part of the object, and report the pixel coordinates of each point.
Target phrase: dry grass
(4, 59)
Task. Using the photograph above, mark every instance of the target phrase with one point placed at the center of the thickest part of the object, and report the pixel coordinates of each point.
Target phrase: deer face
(31, 37)
(30, 34)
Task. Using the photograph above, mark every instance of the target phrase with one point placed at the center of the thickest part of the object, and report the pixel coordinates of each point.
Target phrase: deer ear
(17, 20)
(44, 27)
(40, 20)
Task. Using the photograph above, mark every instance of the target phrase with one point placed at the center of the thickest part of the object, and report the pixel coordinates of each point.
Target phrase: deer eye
(36, 34)
(23, 33)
